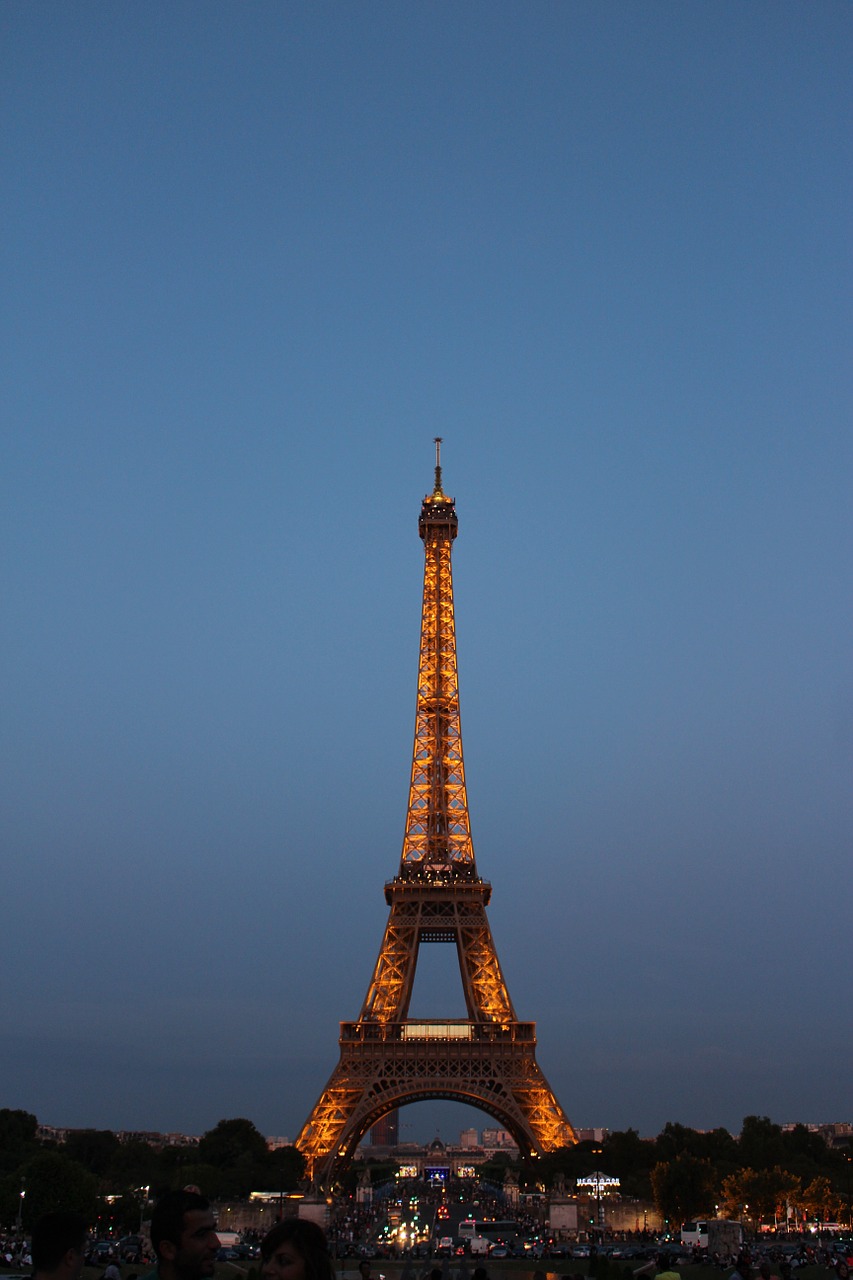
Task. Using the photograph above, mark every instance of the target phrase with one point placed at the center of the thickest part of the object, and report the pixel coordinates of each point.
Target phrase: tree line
(112, 1182)
(766, 1172)
(763, 1173)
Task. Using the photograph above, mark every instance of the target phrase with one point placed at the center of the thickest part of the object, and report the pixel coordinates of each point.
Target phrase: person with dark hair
(296, 1249)
(183, 1235)
(743, 1266)
(59, 1246)
(664, 1269)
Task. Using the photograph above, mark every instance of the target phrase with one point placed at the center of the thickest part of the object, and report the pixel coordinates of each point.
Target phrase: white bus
(480, 1234)
(716, 1235)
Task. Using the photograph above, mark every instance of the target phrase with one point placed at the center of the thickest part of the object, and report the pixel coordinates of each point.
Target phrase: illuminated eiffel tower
(487, 1060)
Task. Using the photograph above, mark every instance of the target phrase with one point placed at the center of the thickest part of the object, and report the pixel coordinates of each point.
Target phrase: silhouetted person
(664, 1269)
(743, 1267)
(183, 1234)
(59, 1247)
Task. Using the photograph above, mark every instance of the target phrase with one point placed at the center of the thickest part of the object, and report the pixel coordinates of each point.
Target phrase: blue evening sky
(254, 257)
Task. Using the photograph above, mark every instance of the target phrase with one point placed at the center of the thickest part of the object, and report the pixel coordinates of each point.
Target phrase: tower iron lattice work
(387, 1059)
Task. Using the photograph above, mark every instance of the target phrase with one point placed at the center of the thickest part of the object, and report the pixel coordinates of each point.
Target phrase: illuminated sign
(600, 1183)
(436, 1031)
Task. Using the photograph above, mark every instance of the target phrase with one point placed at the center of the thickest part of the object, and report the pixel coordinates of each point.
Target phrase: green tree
(53, 1181)
(213, 1182)
(760, 1145)
(821, 1202)
(239, 1152)
(494, 1169)
(800, 1142)
(759, 1193)
(572, 1162)
(230, 1142)
(629, 1158)
(676, 1140)
(95, 1149)
(17, 1138)
(682, 1187)
(720, 1148)
(287, 1168)
(133, 1165)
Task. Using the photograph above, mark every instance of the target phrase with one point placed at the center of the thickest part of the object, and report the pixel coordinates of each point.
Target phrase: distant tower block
(487, 1060)
(386, 1132)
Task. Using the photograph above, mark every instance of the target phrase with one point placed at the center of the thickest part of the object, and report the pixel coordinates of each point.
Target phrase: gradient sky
(254, 257)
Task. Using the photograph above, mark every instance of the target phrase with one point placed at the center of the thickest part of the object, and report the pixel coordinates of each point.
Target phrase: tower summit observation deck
(387, 1059)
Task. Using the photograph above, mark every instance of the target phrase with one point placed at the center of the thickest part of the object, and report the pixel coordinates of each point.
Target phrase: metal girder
(501, 1078)
(438, 832)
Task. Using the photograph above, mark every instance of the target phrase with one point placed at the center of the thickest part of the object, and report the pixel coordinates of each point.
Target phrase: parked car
(130, 1249)
(100, 1252)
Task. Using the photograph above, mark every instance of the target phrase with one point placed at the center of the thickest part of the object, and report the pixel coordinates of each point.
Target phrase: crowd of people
(185, 1245)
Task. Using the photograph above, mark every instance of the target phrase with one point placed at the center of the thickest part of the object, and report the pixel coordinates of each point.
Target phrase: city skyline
(488, 1134)
(255, 260)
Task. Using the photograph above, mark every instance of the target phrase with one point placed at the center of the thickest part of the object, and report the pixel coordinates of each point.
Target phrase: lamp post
(20, 1211)
(143, 1205)
(599, 1224)
(596, 1183)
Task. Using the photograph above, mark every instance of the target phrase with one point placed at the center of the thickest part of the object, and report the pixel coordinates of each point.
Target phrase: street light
(20, 1212)
(598, 1182)
(143, 1206)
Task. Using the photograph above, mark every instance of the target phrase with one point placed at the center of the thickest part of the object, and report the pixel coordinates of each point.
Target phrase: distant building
(591, 1135)
(498, 1138)
(469, 1138)
(386, 1132)
(839, 1134)
(49, 1133)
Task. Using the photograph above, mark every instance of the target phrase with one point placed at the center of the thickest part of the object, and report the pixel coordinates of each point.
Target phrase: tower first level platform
(387, 1065)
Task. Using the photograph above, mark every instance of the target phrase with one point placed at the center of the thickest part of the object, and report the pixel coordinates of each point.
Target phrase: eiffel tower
(487, 1060)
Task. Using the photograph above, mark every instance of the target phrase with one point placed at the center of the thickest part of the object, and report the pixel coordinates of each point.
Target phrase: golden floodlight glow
(487, 1060)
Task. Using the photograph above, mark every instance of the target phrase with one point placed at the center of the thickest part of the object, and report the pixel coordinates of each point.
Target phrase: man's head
(183, 1233)
(59, 1243)
(364, 1269)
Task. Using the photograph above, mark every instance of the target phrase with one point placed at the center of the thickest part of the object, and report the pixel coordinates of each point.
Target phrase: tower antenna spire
(437, 491)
